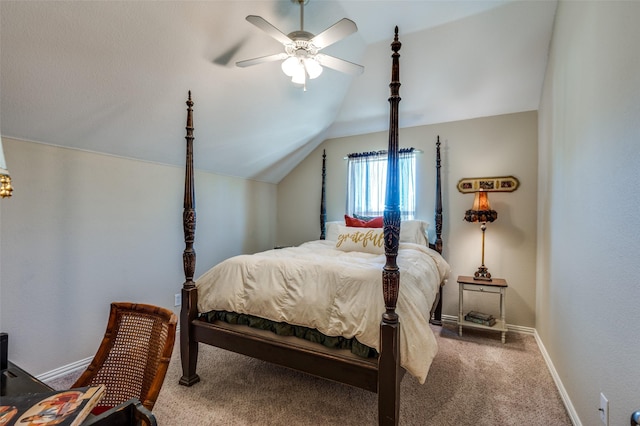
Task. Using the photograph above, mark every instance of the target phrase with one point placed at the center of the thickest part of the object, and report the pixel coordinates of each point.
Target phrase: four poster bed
(326, 291)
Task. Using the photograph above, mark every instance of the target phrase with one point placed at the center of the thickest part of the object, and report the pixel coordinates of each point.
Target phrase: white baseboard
(556, 378)
(75, 366)
(451, 319)
(64, 370)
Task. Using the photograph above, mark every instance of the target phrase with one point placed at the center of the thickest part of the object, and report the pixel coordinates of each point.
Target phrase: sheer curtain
(367, 181)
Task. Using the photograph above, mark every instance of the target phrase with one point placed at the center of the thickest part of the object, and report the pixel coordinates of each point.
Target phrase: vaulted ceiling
(113, 76)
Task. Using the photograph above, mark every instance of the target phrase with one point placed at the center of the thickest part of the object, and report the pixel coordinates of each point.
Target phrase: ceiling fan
(301, 56)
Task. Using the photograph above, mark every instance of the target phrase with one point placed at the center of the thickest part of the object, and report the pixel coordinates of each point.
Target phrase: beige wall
(588, 247)
(83, 230)
(493, 146)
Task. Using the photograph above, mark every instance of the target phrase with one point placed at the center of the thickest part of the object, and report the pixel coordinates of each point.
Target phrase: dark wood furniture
(129, 413)
(381, 375)
(16, 381)
(134, 354)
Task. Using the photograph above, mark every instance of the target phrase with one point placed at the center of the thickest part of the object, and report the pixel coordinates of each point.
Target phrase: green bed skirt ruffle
(284, 329)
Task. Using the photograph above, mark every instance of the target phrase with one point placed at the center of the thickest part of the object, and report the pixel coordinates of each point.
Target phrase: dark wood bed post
(323, 203)
(389, 371)
(438, 243)
(189, 309)
(437, 313)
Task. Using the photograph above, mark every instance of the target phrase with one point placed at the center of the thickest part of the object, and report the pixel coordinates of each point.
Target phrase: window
(367, 183)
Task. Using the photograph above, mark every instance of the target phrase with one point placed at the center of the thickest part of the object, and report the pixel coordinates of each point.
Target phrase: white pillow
(331, 229)
(367, 240)
(414, 231)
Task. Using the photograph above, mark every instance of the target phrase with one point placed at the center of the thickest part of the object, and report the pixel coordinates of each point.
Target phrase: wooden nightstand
(495, 286)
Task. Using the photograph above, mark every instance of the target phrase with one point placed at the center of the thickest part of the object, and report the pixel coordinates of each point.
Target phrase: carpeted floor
(474, 380)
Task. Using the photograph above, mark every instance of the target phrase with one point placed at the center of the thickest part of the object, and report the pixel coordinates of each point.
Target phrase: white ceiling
(113, 76)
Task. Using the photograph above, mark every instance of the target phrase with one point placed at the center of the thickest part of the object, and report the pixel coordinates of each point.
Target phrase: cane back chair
(134, 354)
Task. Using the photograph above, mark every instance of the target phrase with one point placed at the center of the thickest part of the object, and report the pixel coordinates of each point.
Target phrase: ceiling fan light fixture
(300, 76)
(302, 57)
(291, 66)
(314, 69)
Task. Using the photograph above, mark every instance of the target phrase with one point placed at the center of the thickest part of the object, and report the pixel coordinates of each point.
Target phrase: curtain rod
(384, 151)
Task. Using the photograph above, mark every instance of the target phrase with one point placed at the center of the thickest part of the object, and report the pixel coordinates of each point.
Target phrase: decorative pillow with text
(367, 240)
(411, 231)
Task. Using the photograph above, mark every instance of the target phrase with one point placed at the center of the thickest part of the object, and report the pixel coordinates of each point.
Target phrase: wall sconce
(5, 180)
(481, 212)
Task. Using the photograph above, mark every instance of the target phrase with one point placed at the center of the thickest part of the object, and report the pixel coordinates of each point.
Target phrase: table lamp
(481, 212)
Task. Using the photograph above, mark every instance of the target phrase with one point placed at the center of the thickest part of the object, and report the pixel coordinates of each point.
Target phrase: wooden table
(16, 381)
(495, 286)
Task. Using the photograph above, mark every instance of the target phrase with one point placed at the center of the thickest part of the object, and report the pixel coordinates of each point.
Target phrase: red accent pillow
(376, 222)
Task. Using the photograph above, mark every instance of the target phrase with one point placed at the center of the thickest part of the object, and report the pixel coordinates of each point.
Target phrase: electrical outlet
(604, 409)
(177, 299)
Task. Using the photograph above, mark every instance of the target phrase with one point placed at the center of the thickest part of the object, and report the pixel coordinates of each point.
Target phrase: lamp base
(482, 274)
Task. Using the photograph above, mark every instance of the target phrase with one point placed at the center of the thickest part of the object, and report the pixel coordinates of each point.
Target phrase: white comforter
(339, 293)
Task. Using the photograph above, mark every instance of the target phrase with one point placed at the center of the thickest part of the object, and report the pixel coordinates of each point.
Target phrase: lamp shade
(299, 76)
(3, 163)
(314, 69)
(291, 65)
(481, 210)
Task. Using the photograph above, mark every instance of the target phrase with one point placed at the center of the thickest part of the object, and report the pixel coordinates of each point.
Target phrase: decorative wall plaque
(488, 184)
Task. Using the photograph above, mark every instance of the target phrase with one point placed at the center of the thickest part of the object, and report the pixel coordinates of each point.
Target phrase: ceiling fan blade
(339, 64)
(262, 59)
(336, 32)
(265, 26)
